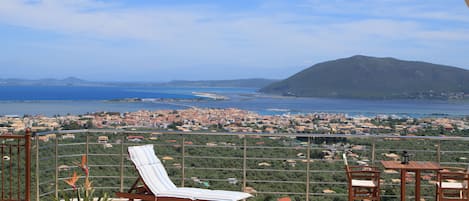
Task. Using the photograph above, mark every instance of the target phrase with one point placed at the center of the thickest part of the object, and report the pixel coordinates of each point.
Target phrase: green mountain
(376, 78)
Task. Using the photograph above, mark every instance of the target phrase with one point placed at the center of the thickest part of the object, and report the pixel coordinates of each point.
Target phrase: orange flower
(71, 181)
(87, 184)
(83, 160)
(83, 165)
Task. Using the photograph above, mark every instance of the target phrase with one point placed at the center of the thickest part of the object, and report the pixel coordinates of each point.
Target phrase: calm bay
(61, 100)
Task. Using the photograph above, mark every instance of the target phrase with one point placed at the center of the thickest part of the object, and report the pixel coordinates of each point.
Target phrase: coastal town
(239, 121)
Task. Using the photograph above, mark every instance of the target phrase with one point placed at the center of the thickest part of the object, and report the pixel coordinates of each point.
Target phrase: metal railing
(302, 166)
(15, 167)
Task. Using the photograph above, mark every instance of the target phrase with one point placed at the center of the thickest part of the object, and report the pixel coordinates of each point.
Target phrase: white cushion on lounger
(455, 185)
(150, 168)
(363, 183)
(205, 194)
(156, 178)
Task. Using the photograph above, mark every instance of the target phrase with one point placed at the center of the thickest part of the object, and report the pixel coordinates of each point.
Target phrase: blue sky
(162, 40)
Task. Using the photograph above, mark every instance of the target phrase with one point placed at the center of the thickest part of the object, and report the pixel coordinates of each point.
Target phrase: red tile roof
(284, 199)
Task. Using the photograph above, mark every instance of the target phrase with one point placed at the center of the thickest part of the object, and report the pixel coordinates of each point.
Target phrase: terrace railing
(301, 166)
(15, 167)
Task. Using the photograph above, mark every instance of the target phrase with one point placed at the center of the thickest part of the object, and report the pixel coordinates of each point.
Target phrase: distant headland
(375, 78)
(73, 81)
(356, 77)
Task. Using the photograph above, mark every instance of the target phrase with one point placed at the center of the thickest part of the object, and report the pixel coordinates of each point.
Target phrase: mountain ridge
(74, 81)
(375, 78)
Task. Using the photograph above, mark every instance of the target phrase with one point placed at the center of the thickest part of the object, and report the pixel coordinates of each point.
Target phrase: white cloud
(92, 19)
(97, 19)
(275, 37)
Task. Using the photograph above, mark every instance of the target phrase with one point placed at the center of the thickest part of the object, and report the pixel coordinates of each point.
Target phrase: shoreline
(213, 96)
(51, 108)
(258, 103)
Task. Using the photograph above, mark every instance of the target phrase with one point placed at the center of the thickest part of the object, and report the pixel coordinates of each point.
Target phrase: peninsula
(375, 78)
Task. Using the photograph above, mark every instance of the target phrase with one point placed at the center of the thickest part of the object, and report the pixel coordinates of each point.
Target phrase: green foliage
(86, 191)
(214, 158)
(376, 78)
(82, 195)
(73, 125)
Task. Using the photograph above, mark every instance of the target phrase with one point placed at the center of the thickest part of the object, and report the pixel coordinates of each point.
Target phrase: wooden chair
(362, 182)
(452, 184)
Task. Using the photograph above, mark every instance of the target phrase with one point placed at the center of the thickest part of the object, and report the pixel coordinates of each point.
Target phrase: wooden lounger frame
(142, 192)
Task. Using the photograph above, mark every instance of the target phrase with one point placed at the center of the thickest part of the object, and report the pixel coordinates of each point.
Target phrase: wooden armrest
(456, 176)
(452, 173)
(366, 177)
(364, 171)
(453, 169)
(363, 166)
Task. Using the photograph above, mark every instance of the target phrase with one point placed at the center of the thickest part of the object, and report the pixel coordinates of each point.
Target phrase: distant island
(375, 78)
(73, 81)
(70, 81)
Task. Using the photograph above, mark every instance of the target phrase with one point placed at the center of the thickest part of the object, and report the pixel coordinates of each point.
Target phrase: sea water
(61, 100)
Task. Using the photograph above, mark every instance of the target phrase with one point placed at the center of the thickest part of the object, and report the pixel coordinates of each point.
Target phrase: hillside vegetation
(380, 78)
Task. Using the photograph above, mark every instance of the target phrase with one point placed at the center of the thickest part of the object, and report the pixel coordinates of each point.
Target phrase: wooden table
(413, 166)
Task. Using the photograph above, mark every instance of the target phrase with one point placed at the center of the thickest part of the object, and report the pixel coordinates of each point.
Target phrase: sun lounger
(158, 186)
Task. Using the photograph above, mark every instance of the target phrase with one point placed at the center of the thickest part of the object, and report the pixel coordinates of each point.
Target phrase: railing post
(2, 172)
(373, 150)
(27, 145)
(308, 161)
(183, 173)
(87, 150)
(18, 154)
(56, 167)
(438, 151)
(244, 162)
(87, 147)
(121, 189)
(37, 167)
